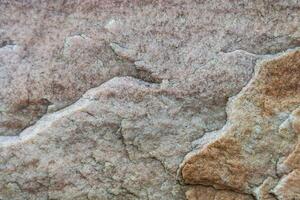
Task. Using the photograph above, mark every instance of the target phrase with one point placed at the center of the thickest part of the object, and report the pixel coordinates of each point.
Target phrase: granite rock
(149, 99)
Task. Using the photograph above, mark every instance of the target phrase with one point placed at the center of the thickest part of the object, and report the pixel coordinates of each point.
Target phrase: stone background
(150, 99)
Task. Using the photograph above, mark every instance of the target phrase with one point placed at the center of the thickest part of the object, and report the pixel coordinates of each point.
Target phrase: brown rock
(208, 193)
(257, 133)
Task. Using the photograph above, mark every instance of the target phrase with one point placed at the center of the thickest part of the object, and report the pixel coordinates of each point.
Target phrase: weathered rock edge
(249, 185)
(245, 155)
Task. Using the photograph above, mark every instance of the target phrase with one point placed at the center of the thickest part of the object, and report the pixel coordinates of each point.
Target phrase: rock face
(258, 136)
(150, 100)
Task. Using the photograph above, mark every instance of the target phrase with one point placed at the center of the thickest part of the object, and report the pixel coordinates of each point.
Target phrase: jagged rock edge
(218, 133)
(30, 131)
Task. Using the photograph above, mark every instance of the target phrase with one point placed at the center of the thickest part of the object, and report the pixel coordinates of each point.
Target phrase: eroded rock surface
(104, 99)
(258, 134)
(208, 193)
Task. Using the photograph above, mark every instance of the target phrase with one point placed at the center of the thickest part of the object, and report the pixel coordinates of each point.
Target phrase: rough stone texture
(258, 134)
(108, 99)
(208, 193)
(288, 185)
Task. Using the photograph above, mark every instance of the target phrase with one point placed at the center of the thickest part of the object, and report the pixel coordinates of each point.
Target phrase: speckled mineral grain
(150, 99)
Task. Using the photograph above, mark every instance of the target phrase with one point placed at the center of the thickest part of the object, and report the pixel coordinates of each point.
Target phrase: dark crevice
(273, 195)
(147, 76)
(140, 72)
(6, 42)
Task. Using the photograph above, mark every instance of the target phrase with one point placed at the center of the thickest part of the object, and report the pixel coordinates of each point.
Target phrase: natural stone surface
(288, 185)
(200, 192)
(104, 99)
(258, 133)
